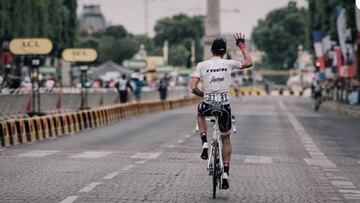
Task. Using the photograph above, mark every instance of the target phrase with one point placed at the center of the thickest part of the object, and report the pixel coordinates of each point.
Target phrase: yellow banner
(79, 55)
(31, 46)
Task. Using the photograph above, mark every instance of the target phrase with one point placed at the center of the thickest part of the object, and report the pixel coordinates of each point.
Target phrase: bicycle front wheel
(216, 168)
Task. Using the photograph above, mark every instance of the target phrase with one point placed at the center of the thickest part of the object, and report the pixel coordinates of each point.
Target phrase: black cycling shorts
(223, 113)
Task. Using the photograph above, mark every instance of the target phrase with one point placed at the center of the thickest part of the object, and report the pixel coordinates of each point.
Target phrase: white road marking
(89, 187)
(187, 136)
(318, 157)
(325, 163)
(316, 153)
(91, 154)
(170, 146)
(337, 177)
(352, 196)
(37, 153)
(128, 167)
(350, 191)
(140, 162)
(69, 199)
(111, 175)
(180, 141)
(342, 183)
(148, 155)
(258, 159)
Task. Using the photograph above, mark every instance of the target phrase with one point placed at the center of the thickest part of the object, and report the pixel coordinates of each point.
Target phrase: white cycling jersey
(215, 74)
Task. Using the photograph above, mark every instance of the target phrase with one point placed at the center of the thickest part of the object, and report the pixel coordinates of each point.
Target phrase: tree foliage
(114, 43)
(180, 30)
(280, 34)
(54, 19)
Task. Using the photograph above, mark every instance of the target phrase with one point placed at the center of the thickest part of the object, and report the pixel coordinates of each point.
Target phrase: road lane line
(338, 183)
(111, 175)
(350, 191)
(89, 187)
(180, 141)
(128, 167)
(91, 154)
(310, 146)
(37, 153)
(140, 162)
(319, 159)
(352, 197)
(69, 199)
(187, 136)
(147, 155)
(258, 159)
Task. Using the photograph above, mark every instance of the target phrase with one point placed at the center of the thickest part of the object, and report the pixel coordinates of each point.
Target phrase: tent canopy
(110, 70)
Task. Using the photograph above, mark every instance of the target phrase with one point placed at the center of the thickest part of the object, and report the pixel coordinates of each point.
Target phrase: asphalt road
(282, 152)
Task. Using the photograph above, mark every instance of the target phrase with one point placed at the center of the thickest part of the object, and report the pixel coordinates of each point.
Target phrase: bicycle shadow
(219, 198)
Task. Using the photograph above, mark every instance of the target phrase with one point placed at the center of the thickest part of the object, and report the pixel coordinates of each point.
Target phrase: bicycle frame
(216, 139)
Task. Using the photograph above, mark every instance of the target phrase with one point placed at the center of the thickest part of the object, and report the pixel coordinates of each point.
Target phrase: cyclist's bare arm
(194, 87)
(240, 42)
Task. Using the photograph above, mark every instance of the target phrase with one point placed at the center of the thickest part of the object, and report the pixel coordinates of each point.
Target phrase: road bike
(215, 166)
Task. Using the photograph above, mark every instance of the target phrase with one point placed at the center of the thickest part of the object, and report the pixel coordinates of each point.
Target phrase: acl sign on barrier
(79, 55)
(31, 46)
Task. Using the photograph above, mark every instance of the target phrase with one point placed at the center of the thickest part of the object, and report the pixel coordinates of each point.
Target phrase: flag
(346, 46)
(318, 47)
(357, 14)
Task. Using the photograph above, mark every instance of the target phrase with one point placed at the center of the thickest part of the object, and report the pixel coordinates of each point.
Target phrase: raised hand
(240, 40)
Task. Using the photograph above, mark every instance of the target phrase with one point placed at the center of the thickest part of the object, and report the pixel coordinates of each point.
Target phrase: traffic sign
(134, 64)
(79, 55)
(31, 46)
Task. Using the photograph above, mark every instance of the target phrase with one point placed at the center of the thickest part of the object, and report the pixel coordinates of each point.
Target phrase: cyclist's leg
(203, 111)
(225, 129)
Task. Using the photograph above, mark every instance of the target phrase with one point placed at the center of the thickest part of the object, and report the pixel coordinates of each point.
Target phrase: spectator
(50, 83)
(137, 86)
(163, 87)
(122, 86)
(15, 82)
(26, 83)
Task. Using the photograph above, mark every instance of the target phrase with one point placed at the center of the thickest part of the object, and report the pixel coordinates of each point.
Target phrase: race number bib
(216, 99)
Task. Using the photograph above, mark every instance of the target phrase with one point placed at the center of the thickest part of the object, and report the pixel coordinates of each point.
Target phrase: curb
(342, 108)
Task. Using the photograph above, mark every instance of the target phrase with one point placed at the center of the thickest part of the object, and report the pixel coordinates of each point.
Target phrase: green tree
(54, 19)
(119, 50)
(179, 55)
(114, 43)
(180, 30)
(279, 35)
(116, 31)
(149, 44)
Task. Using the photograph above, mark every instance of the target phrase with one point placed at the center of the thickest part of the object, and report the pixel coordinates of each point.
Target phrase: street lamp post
(84, 94)
(35, 63)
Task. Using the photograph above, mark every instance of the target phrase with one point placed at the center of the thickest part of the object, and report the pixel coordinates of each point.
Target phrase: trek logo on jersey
(214, 79)
(216, 70)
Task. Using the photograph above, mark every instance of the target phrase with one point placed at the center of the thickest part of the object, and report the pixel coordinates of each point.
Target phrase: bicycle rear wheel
(216, 168)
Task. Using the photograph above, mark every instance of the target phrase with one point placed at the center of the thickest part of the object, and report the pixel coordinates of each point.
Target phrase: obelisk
(212, 26)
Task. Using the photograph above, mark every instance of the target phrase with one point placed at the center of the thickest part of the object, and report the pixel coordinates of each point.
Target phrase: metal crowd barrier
(37, 129)
(19, 102)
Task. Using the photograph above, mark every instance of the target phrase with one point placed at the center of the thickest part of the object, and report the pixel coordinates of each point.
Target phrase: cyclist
(215, 75)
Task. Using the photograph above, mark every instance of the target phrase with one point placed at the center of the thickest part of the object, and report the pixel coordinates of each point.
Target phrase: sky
(236, 15)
